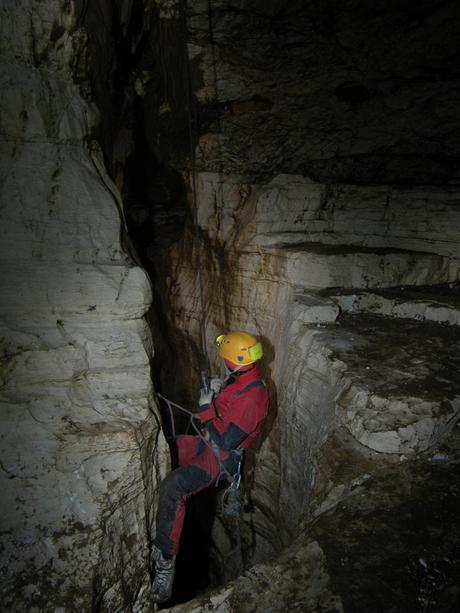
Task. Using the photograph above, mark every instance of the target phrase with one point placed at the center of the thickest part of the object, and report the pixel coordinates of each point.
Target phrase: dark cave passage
(157, 213)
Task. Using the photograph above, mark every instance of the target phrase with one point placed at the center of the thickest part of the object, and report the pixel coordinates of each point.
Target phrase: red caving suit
(232, 421)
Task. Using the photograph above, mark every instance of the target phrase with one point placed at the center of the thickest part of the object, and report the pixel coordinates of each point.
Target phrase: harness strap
(210, 444)
(223, 472)
(230, 502)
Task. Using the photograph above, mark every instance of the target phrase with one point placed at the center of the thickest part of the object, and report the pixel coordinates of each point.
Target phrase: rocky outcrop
(293, 210)
(78, 419)
(298, 580)
(318, 358)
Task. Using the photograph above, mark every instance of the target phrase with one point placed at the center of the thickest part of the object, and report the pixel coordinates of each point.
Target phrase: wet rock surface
(392, 544)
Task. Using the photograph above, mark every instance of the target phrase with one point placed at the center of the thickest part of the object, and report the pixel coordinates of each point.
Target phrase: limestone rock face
(324, 193)
(327, 213)
(422, 304)
(77, 430)
(298, 579)
(402, 395)
(292, 210)
(365, 533)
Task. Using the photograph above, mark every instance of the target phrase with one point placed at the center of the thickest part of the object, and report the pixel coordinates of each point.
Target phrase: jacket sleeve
(209, 412)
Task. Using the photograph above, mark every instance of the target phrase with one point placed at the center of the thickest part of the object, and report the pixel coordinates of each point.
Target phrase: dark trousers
(198, 469)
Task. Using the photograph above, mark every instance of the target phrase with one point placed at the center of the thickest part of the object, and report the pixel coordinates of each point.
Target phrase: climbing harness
(235, 480)
(231, 497)
(230, 503)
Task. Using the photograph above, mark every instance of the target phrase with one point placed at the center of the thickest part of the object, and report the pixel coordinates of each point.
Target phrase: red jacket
(236, 415)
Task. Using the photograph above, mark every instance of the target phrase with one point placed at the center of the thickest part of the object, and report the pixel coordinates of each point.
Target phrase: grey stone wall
(78, 423)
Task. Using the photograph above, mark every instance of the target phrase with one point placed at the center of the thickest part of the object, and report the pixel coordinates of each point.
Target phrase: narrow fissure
(157, 215)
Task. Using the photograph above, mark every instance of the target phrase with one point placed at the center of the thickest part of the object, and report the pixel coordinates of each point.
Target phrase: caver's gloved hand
(205, 398)
(207, 395)
(215, 383)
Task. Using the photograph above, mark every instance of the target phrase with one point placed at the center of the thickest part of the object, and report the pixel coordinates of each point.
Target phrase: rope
(230, 505)
(237, 549)
(222, 470)
(183, 11)
(230, 508)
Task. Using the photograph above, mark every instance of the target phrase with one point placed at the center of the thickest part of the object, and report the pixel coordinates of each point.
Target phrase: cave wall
(319, 165)
(270, 282)
(79, 424)
(337, 92)
(318, 162)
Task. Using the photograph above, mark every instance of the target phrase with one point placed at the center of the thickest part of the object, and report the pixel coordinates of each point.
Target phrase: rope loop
(223, 472)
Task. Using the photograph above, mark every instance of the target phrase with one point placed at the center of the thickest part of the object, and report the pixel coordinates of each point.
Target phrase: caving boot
(164, 577)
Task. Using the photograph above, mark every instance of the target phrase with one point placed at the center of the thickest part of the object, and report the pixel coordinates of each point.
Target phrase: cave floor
(393, 544)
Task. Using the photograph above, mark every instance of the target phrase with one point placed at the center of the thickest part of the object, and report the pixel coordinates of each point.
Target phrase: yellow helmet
(239, 348)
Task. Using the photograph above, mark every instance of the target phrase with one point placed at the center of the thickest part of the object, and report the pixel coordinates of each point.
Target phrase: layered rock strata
(277, 289)
(282, 255)
(438, 304)
(78, 425)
